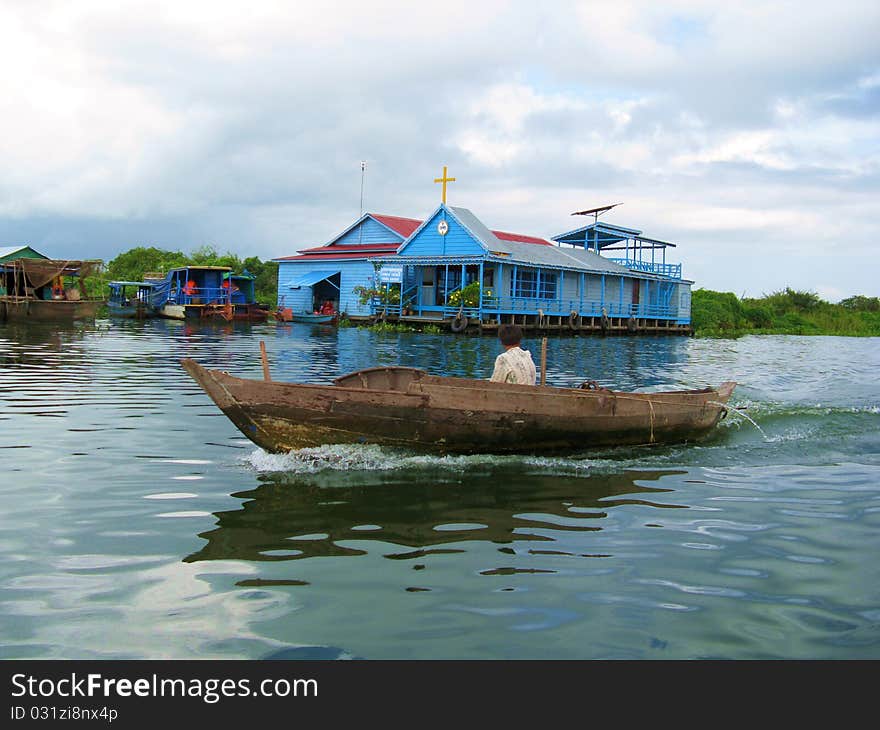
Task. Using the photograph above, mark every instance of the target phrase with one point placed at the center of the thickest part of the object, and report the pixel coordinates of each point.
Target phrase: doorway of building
(326, 291)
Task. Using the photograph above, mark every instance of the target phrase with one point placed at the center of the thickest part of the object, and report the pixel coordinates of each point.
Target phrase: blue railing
(586, 308)
(202, 295)
(493, 306)
(673, 271)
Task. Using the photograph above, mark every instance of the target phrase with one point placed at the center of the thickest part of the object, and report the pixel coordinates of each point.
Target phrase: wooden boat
(20, 309)
(48, 290)
(398, 406)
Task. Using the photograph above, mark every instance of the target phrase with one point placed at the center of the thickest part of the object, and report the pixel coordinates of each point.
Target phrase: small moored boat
(194, 291)
(311, 318)
(132, 299)
(399, 406)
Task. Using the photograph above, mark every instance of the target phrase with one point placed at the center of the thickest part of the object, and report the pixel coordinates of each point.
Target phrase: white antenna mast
(363, 171)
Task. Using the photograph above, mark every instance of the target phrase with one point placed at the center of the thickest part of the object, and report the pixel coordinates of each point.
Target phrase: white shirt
(515, 366)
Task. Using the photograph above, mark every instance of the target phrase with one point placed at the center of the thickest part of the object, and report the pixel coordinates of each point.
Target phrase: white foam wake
(369, 457)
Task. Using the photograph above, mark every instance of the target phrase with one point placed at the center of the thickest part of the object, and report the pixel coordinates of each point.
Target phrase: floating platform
(548, 324)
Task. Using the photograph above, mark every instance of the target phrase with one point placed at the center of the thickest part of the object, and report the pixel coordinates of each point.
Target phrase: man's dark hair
(510, 334)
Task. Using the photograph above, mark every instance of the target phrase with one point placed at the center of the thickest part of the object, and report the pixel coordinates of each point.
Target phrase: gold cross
(444, 180)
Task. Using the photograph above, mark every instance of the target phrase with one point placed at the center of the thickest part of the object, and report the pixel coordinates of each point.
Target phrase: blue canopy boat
(132, 299)
(208, 291)
(193, 291)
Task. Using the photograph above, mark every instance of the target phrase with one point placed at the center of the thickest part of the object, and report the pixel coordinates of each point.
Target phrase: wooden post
(265, 361)
(543, 360)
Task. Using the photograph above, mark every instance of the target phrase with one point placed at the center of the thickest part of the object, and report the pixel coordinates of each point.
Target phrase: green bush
(758, 315)
(388, 294)
(861, 304)
(720, 311)
(468, 297)
(722, 314)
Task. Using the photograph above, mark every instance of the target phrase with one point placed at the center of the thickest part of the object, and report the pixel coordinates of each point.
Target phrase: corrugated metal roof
(555, 256)
(518, 252)
(476, 227)
(505, 236)
(398, 224)
(601, 226)
(338, 256)
(6, 251)
(334, 248)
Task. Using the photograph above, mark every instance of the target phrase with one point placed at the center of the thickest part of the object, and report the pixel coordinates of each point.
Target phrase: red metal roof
(403, 226)
(521, 238)
(341, 248)
(324, 257)
(406, 226)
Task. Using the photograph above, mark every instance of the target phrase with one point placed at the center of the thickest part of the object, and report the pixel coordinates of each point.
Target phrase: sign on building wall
(391, 274)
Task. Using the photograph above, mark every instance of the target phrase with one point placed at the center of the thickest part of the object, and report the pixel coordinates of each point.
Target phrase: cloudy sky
(746, 132)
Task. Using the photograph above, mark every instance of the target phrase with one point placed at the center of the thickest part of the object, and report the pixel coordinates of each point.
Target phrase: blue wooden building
(450, 268)
(333, 272)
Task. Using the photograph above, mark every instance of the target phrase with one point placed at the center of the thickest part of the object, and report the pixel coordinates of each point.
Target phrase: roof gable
(9, 253)
(465, 235)
(371, 228)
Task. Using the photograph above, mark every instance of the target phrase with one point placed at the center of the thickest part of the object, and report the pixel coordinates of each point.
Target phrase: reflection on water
(286, 520)
(138, 522)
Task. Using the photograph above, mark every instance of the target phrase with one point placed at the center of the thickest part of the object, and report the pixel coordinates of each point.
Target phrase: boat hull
(181, 311)
(312, 318)
(458, 415)
(51, 310)
(130, 311)
(172, 311)
(250, 313)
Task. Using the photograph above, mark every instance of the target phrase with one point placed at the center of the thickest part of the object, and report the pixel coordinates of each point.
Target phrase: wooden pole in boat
(265, 361)
(543, 360)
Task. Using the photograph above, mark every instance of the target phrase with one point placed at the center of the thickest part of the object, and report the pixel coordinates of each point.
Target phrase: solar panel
(596, 211)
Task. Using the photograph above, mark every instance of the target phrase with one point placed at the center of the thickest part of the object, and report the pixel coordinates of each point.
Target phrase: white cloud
(747, 127)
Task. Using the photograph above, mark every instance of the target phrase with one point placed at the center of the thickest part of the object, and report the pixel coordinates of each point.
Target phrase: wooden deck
(549, 324)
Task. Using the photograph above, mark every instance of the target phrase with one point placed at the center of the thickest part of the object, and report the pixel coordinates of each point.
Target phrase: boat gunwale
(441, 381)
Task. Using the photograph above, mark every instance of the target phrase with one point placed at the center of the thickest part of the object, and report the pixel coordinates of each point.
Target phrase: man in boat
(514, 365)
(327, 307)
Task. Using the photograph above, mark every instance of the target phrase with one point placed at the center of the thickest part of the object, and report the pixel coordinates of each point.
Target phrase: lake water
(137, 522)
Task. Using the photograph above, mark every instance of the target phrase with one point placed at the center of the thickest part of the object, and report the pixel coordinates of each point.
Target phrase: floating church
(450, 269)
